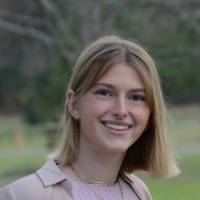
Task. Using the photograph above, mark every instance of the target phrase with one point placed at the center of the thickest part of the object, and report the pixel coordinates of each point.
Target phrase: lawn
(183, 187)
(23, 149)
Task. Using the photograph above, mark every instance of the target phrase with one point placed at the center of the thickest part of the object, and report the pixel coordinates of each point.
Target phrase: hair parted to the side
(151, 152)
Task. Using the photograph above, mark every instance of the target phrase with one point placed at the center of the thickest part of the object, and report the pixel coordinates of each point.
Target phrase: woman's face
(113, 114)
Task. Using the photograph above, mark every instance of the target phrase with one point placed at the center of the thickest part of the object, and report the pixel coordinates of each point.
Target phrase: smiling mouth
(116, 127)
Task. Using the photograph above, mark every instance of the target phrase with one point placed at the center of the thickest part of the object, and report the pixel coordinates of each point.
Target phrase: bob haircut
(151, 152)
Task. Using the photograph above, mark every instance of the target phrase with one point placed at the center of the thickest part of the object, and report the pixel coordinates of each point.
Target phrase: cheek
(89, 112)
(96, 108)
(143, 115)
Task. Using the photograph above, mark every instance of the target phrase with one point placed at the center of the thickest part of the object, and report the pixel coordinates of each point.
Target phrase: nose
(120, 108)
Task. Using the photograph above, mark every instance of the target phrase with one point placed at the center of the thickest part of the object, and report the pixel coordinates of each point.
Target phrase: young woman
(115, 124)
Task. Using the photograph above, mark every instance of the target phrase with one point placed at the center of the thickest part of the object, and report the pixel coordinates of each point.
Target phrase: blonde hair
(151, 152)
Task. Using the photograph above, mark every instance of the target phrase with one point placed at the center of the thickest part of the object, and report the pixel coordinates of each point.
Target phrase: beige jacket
(50, 183)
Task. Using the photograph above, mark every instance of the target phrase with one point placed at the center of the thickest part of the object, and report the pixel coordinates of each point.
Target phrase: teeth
(116, 127)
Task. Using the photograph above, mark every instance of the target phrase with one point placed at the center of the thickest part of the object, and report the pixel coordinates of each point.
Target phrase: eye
(138, 97)
(103, 92)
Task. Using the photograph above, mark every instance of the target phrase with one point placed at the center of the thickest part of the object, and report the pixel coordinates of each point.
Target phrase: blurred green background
(40, 41)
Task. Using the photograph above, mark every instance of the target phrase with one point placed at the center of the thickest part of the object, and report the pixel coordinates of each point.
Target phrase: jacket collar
(50, 173)
(127, 178)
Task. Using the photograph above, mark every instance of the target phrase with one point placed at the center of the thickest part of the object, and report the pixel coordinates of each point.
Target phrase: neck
(98, 166)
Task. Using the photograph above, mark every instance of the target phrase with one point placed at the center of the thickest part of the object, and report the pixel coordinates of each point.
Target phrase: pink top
(119, 191)
(50, 183)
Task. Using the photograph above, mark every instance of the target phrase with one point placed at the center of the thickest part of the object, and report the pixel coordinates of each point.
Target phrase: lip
(117, 123)
(117, 132)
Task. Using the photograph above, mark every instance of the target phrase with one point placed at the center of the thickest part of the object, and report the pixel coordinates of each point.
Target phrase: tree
(41, 40)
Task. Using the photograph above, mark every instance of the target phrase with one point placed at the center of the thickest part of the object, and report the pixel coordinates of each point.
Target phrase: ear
(72, 104)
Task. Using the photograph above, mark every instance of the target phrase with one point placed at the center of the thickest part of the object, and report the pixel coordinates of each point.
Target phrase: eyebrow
(112, 87)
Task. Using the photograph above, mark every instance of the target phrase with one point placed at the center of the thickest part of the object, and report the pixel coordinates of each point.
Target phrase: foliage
(172, 41)
(41, 40)
(46, 100)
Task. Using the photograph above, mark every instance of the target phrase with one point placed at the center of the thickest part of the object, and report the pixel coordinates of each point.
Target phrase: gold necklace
(85, 180)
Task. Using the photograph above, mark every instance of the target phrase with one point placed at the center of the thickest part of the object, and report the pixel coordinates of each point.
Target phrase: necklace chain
(85, 180)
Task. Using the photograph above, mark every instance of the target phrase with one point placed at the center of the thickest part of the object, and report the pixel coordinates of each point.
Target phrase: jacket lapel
(50, 175)
(131, 184)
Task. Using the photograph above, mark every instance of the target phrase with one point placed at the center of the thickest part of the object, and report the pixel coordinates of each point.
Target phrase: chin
(118, 148)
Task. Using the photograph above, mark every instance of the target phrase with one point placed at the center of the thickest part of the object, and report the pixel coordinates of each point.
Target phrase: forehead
(122, 75)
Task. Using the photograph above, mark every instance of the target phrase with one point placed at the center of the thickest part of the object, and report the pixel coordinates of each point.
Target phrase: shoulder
(48, 182)
(28, 187)
(139, 186)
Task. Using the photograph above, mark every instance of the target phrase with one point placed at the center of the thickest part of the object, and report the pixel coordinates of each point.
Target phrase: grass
(185, 186)
(18, 165)
(175, 190)
(22, 151)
